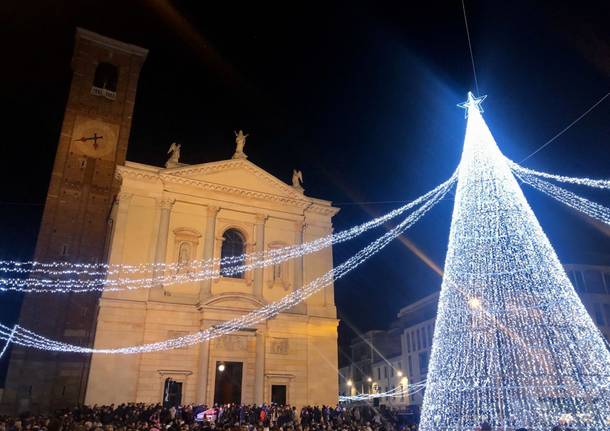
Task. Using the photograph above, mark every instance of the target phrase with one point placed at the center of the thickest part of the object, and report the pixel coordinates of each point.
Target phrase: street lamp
(349, 383)
(368, 379)
(399, 373)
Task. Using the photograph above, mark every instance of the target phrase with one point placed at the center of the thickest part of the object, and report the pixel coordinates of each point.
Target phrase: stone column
(259, 247)
(202, 377)
(165, 206)
(205, 288)
(259, 373)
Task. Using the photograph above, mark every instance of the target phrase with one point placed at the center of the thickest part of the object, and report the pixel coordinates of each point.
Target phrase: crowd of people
(144, 417)
(231, 417)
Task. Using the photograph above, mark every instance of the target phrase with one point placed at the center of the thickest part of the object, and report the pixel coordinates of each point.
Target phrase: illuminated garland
(592, 209)
(598, 184)
(194, 271)
(28, 338)
(61, 268)
(8, 339)
(513, 345)
(398, 392)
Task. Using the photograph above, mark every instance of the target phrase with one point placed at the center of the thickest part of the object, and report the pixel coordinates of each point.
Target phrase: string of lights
(505, 349)
(8, 341)
(62, 267)
(566, 197)
(590, 182)
(28, 338)
(513, 344)
(401, 391)
(74, 282)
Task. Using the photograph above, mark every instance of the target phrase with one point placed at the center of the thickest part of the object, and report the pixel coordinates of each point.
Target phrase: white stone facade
(182, 213)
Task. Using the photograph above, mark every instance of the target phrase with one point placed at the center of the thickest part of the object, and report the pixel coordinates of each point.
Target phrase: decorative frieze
(279, 346)
(231, 343)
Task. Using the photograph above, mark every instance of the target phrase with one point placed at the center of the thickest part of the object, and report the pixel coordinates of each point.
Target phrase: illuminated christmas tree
(513, 344)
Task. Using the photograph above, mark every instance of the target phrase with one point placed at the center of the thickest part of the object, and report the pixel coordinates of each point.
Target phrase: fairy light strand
(28, 338)
(590, 182)
(401, 391)
(513, 344)
(191, 272)
(568, 198)
(62, 267)
(8, 341)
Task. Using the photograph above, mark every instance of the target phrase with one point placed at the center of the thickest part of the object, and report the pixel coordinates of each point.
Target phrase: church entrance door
(172, 393)
(227, 388)
(278, 394)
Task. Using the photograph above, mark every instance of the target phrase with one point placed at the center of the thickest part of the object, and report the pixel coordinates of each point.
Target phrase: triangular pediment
(238, 173)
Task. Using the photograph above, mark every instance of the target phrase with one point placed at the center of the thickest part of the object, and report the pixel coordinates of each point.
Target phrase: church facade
(101, 208)
(214, 210)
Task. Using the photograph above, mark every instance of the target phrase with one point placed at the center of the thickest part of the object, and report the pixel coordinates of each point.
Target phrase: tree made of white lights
(513, 344)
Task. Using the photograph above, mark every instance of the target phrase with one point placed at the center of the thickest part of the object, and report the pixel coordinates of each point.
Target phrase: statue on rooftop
(240, 141)
(297, 180)
(174, 158)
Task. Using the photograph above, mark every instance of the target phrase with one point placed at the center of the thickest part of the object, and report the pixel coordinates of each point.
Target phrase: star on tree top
(472, 102)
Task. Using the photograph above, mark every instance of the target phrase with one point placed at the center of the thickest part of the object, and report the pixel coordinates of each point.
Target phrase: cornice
(323, 210)
(136, 174)
(286, 196)
(129, 48)
(222, 188)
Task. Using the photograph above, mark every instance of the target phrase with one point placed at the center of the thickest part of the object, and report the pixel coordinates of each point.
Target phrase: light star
(472, 102)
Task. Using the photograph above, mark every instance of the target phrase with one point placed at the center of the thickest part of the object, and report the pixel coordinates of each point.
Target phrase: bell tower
(93, 141)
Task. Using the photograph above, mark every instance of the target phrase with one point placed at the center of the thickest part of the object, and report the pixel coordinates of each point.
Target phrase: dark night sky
(359, 95)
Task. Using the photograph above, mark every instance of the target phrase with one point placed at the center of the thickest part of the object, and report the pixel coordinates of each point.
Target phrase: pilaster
(259, 374)
(209, 235)
(165, 208)
(298, 265)
(259, 248)
(202, 376)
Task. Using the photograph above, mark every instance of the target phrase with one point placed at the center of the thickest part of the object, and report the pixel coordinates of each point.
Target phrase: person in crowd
(229, 417)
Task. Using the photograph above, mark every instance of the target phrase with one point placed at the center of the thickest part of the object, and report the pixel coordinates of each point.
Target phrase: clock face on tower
(94, 138)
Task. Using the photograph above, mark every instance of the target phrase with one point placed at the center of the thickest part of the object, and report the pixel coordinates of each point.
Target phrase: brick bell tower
(74, 226)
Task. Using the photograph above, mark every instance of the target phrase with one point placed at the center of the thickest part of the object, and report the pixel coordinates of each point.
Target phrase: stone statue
(240, 141)
(174, 159)
(297, 180)
(184, 254)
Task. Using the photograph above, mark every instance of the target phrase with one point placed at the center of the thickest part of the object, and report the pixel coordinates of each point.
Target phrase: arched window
(106, 76)
(105, 80)
(233, 245)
